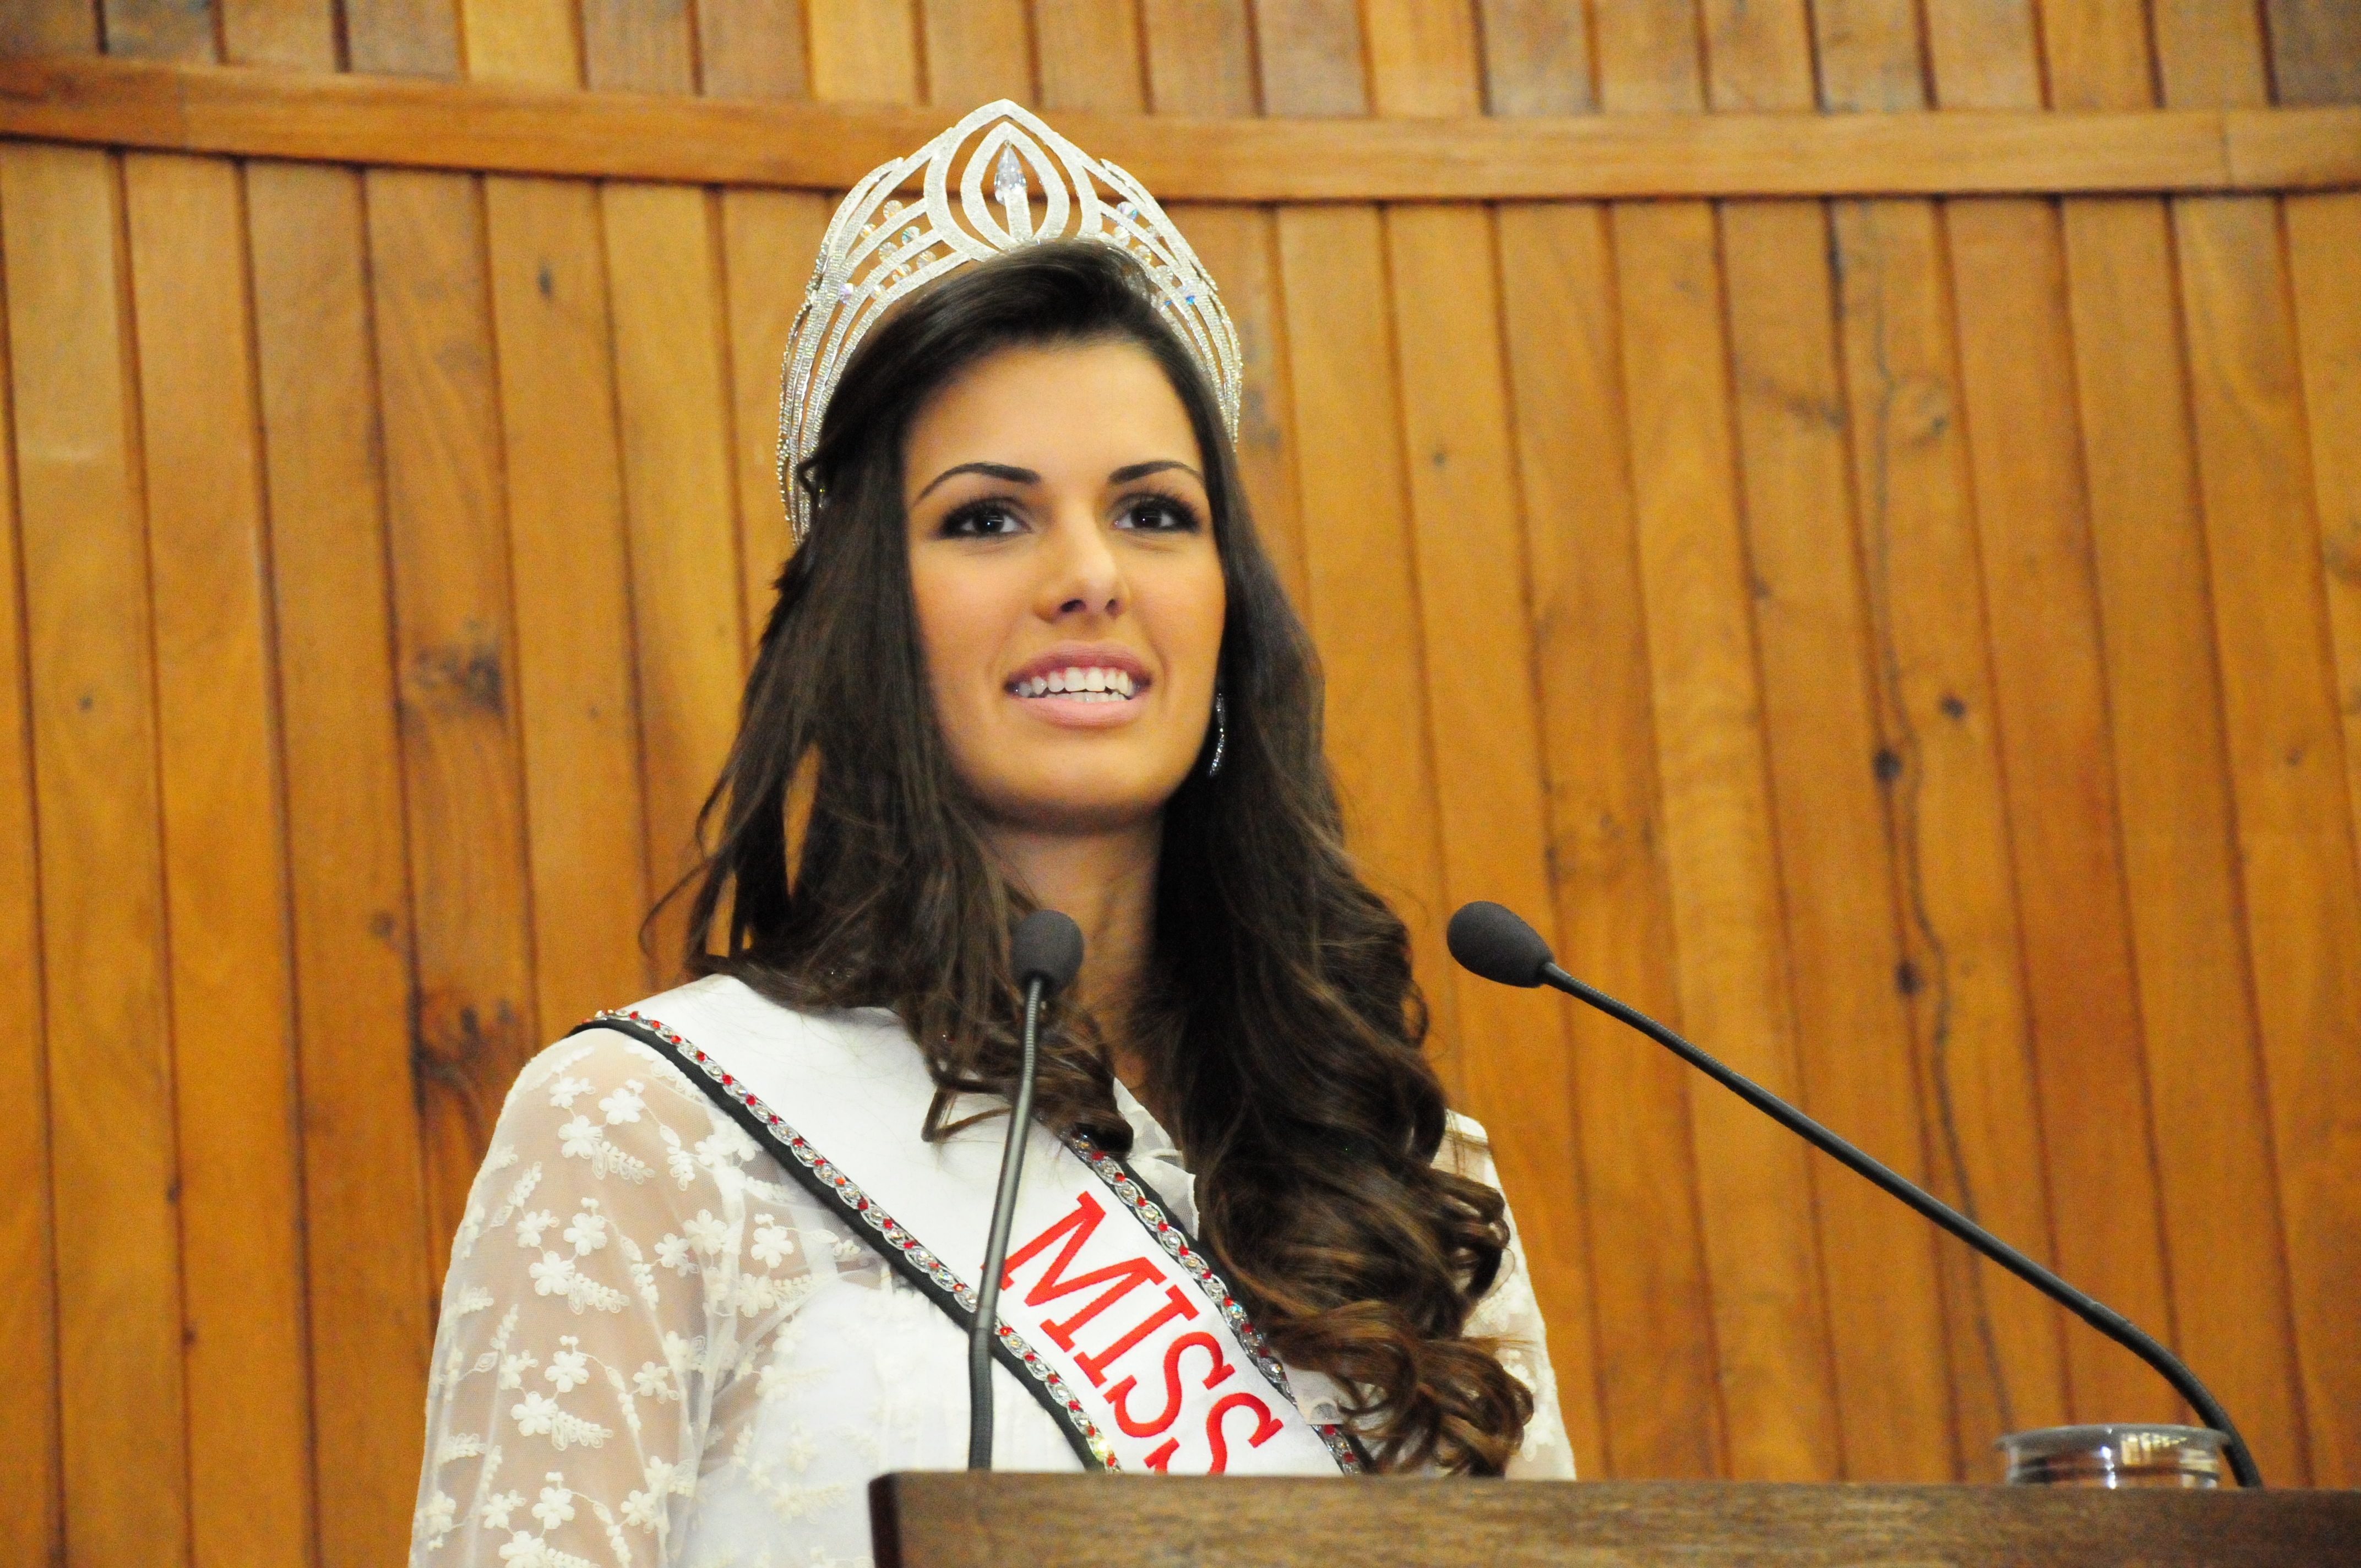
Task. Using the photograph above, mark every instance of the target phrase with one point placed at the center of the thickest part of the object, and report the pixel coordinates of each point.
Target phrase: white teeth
(1092, 685)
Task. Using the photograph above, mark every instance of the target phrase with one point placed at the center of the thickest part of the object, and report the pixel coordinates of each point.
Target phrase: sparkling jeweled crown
(878, 249)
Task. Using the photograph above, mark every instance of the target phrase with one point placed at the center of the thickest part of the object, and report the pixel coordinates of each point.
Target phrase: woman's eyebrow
(1014, 475)
(1141, 471)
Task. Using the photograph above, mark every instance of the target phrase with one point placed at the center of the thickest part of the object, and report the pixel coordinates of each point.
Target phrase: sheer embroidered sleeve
(1510, 1314)
(620, 1259)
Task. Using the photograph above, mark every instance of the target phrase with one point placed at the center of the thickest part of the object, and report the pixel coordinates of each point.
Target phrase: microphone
(1046, 954)
(1497, 945)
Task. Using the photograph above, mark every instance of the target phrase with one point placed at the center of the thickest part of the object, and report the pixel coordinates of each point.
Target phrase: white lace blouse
(656, 1349)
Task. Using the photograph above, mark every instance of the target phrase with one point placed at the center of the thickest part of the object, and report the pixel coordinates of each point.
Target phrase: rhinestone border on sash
(915, 1259)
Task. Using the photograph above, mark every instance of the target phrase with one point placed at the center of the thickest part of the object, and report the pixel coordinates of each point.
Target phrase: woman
(1029, 654)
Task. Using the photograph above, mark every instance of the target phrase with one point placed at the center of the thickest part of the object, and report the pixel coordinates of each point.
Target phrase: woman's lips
(1079, 697)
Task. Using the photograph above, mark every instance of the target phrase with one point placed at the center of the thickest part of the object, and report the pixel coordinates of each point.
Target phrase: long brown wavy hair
(1280, 1013)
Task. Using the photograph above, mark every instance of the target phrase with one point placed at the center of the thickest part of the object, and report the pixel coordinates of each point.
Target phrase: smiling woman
(1029, 654)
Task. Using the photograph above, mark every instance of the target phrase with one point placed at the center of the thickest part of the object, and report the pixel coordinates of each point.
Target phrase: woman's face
(1068, 592)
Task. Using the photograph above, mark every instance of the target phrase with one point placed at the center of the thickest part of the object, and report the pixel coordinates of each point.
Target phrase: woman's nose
(1082, 575)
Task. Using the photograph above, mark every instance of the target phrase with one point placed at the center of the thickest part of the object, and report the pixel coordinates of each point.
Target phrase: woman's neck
(1106, 883)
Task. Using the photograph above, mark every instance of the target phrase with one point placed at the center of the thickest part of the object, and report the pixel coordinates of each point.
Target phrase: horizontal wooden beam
(441, 124)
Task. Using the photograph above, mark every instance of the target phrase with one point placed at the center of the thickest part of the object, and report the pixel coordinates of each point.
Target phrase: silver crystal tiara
(879, 249)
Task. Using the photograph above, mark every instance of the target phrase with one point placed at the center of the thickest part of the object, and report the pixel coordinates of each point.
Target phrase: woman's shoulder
(1466, 1148)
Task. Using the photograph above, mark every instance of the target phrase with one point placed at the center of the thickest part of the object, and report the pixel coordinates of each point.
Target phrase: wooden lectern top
(961, 1521)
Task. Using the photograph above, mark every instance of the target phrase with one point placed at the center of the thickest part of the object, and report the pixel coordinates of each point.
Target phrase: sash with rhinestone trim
(1111, 1316)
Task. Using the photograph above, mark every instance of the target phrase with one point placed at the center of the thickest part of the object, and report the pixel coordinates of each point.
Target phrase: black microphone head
(1497, 944)
(1047, 946)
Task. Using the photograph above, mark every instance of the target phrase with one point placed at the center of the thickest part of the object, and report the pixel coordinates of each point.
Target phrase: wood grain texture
(1754, 1185)
(1652, 147)
(2210, 52)
(1869, 54)
(49, 26)
(539, 41)
(2033, 525)
(1605, 854)
(981, 49)
(224, 873)
(864, 51)
(296, 35)
(2286, 745)
(769, 240)
(1088, 54)
(2324, 242)
(1760, 55)
(1962, 965)
(672, 394)
(28, 1329)
(2164, 705)
(1200, 57)
(2315, 51)
(157, 29)
(955, 1522)
(1239, 247)
(1836, 864)
(403, 38)
(1467, 541)
(455, 647)
(2096, 54)
(367, 1253)
(569, 570)
(1537, 58)
(634, 46)
(1424, 58)
(1360, 568)
(90, 656)
(1310, 55)
(753, 48)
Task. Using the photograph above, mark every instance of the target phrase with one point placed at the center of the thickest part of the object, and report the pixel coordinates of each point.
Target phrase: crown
(878, 249)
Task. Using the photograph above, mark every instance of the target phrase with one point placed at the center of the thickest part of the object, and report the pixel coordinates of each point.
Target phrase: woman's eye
(980, 520)
(1160, 514)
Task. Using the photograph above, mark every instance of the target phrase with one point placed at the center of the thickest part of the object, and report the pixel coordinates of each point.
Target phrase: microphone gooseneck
(1046, 954)
(1495, 944)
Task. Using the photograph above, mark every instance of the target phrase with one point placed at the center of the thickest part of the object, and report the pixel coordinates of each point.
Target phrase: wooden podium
(961, 1520)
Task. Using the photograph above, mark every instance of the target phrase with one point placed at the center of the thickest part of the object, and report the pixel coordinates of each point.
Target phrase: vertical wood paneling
(864, 51)
(49, 26)
(366, 1229)
(985, 50)
(295, 34)
(2295, 822)
(1868, 54)
(1310, 52)
(1363, 601)
(1758, 55)
(402, 37)
(1468, 546)
(2164, 696)
(1662, 1407)
(525, 40)
(1963, 967)
(570, 571)
(674, 394)
(2315, 50)
(1089, 53)
(2323, 239)
(454, 647)
(2042, 617)
(770, 239)
(1982, 54)
(1200, 57)
(1755, 1186)
(89, 654)
(630, 46)
(1424, 58)
(751, 48)
(1821, 721)
(28, 1345)
(241, 1218)
(1536, 58)
(157, 29)
(1239, 247)
(2210, 52)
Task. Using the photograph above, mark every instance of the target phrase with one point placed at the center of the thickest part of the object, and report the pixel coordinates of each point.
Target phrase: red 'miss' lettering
(1113, 1282)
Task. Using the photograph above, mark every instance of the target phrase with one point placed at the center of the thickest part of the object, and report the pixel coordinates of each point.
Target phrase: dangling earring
(1221, 734)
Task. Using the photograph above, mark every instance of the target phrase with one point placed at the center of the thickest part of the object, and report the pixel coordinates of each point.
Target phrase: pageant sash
(1111, 1315)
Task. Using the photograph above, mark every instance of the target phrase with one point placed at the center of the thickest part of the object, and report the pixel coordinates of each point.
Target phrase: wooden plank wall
(1914, 645)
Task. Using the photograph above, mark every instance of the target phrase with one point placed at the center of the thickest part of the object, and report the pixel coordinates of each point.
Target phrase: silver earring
(1221, 736)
